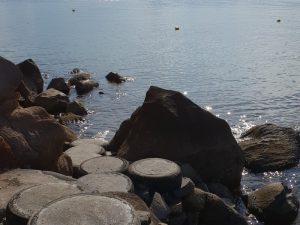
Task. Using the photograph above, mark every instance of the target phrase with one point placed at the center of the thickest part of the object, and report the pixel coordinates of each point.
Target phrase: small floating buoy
(278, 21)
(177, 28)
(73, 10)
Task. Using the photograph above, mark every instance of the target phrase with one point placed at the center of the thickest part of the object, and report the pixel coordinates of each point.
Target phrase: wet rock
(221, 191)
(86, 209)
(115, 78)
(269, 147)
(66, 118)
(104, 164)
(83, 87)
(105, 182)
(59, 84)
(10, 78)
(34, 138)
(52, 100)
(32, 76)
(160, 175)
(76, 108)
(209, 209)
(273, 204)
(170, 126)
(16, 180)
(77, 77)
(30, 200)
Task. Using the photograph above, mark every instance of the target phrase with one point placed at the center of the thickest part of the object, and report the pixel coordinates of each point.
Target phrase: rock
(76, 108)
(66, 118)
(187, 188)
(158, 174)
(269, 147)
(105, 182)
(159, 207)
(59, 84)
(64, 165)
(16, 180)
(86, 209)
(273, 204)
(32, 76)
(104, 164)
(27, 97)
(83, 87)
(168, 125)
(10, 76)
(52, 100)
(34, 138)
(30, 200)
(115, 78)
(188, 171)
(75, 70)
(8, 105)
(209, 209)
(77, 77)
(81, 153)
(220, 190)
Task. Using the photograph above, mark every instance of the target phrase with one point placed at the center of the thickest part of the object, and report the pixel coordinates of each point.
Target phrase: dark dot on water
(73, 10)
(101, 92)
(278, 21)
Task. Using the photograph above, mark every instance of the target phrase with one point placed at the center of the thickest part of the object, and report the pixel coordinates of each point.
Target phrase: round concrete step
(105, 182)
(159, 174)
(104, 164)
(30, 200)
(86, 209)
(99, 142)
(83, 152)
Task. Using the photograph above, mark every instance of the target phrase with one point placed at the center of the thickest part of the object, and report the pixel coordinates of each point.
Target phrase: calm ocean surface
(230, 57)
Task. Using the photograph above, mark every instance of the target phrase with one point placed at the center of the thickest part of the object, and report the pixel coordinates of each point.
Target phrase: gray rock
(77, 77)
(95, 141)
(52, 100)
(85, 86)
(269, 147)
(10, 76)
(76, 108)
(159, 207)
(273, 204)
(59, 84)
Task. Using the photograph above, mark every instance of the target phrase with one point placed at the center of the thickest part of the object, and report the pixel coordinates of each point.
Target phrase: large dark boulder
(10, 78)
(85, 86)
(273, 204)
(168, 125)
(269, 147)
(32, 76)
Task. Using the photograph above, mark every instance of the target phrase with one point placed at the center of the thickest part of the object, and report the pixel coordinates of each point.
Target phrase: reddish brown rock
(168, 125)
(34, 137)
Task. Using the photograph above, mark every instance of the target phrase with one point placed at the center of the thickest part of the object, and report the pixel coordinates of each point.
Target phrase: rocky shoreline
(171, 162)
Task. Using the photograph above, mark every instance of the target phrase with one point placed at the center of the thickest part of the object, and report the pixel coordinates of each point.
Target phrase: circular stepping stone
(30, 200)
(86, 209)
(99, 142)
(161, 175)
(104, 164)
(83, 152)
(105, 182)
